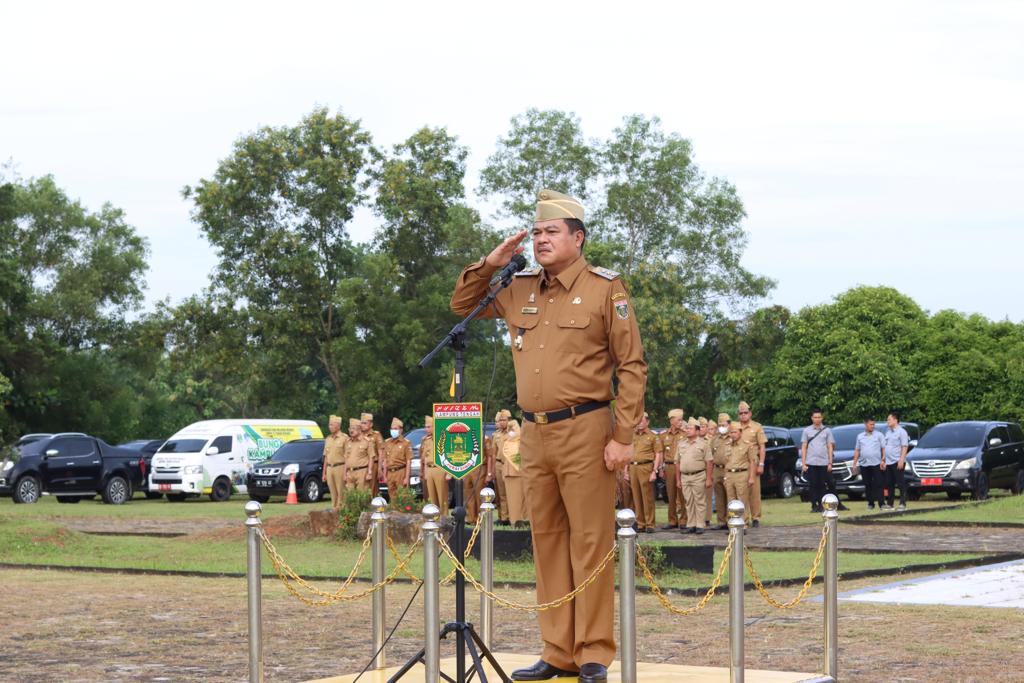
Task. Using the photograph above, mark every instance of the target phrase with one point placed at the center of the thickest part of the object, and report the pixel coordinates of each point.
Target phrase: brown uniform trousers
(718, 445)
(360, 458)
(691, 459)
(497, 440)
(646, 444)
(472, 485)
(741, 460)
(396, 454)
(676, 508)
(334, 471)
(435, 486)
(753, 433)
(709, 491)
(623, 494)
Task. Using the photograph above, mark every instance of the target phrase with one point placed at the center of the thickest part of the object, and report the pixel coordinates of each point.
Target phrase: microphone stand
(466, 637)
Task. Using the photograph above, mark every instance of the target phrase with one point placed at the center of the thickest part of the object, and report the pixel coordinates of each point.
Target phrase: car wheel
(176, 497)
(1018, 484)
(980, 487)
(786, 485)
(913, 494)
(220, 491)
(954, 495)
(258, 498)
(311, 490)
(68, 499)
(117, 491)
(855, 496)
(153, 495)
(26, 490)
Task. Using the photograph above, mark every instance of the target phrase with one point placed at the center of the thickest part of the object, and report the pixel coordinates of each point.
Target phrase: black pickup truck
(71, 466)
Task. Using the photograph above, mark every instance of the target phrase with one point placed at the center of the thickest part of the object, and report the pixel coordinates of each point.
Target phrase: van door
(219, 464)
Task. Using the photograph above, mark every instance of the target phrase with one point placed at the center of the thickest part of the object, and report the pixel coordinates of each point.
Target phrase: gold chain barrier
(521, 607)
(807, 584)
(663, 599)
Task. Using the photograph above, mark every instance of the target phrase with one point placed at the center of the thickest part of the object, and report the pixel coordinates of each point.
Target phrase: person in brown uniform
(396, 459)
(366, 425)
(693, 457)
(334, 461)
(435, 479)
(514, 484)
(501, 420)
(669, 442)
(718, 443)
(646, 445)
(361, 460)
(753, 433)
(707, 432)
(740, 465)
(571, 325)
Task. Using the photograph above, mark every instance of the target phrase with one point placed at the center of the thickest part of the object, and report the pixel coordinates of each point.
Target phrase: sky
(874, 143)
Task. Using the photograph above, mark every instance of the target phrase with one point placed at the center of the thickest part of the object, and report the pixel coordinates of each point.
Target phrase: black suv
(842, 457)
(304, 458)
(71, 466)
(967, 457)
(781, 462)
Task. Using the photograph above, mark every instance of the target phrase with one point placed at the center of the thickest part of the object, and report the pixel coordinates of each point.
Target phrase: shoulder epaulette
(606, 273)
(529, 272)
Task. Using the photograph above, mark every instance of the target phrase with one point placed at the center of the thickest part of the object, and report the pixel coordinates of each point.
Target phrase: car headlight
(290, 470)
(965, 464)
(193, 469)
(9, 465)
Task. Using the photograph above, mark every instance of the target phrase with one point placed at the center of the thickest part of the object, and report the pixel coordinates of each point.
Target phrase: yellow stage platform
(645, 673)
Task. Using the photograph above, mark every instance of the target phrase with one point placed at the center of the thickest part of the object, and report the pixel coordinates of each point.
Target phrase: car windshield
(183, 446)
(846, 436)
(953, 435)
(34, 448)
(299, 451)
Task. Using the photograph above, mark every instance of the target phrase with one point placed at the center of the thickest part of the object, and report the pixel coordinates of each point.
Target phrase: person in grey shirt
(868, 454)
(897, 441)
(816, 447)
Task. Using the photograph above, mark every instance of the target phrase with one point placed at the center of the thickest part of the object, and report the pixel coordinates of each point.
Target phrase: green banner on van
(262, 440)
(458, 437)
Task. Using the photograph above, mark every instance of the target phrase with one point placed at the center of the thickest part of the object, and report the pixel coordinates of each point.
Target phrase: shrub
(356, 502)
(405, 501)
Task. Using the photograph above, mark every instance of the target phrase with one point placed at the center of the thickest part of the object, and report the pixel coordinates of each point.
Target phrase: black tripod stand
(466, 637)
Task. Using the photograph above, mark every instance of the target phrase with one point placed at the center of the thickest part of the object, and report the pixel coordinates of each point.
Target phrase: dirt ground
(65, 626)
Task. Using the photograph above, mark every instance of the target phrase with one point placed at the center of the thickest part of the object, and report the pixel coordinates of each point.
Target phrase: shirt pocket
(522, 325)
(574, 330)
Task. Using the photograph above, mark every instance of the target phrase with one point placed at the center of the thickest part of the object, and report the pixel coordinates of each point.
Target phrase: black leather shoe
(699, 530)
(757, 522)
(542, 671)
(593, 673)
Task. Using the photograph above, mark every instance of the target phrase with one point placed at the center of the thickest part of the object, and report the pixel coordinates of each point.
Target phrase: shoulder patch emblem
(622, 309)
(606, 273)
(618, 295)
(529, 272)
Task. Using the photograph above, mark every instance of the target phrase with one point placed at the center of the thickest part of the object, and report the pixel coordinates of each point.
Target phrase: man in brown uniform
(571, 325)
(707, 432)
(740, 465)
(667, 464)
(396, 459)
(754, 434)
(693, 457)
(360, 459)
(497, 443)
(718, 454)
(435, 479)
(646, 445)
(334, 460)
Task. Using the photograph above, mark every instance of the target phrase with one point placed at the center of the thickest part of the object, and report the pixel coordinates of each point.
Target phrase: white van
(213, 456)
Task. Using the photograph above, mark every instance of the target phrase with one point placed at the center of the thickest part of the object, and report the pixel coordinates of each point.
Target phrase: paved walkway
(885, 538)
(994, 585)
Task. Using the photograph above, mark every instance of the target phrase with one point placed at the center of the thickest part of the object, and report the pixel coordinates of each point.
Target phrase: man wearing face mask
(396, 465)
(718, 455)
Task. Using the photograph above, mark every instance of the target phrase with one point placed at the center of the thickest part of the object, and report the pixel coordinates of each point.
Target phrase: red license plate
(936, 481)
(165, 487)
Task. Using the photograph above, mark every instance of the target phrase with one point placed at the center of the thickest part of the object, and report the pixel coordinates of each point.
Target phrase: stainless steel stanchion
(253, 510)
(737, 523)
(379, 520)
(626, 537)
(431, 595)
(487, 565)
(830, 503)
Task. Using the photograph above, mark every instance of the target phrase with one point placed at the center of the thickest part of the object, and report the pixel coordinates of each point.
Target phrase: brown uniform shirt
(397, 452)
(568, 334)
(692, 456)
(378, 440)
(646, 445)
(753, 433)
(740, 455)
(718, 449)
(334, 448)
(670, 443)
(360, 453)
(427, 453)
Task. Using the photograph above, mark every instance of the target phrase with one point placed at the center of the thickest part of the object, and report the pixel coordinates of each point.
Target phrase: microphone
(517, 263)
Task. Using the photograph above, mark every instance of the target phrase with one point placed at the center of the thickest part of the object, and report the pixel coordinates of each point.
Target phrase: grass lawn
(1001, 509)
(46, 542)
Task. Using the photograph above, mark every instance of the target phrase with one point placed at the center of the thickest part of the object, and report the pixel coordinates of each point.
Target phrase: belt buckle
(540, 418)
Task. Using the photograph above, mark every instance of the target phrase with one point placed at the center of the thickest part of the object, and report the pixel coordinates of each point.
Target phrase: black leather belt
(335, 464)
(641, 462)
(548, 417)
(738, 469)
(356, 469)
(395, 469)
(669, 462)
(695, 472)
(721, 467)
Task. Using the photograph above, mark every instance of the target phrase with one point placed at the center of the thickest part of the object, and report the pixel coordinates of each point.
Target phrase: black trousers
(817, 479)
(893, 478)
(872, 475)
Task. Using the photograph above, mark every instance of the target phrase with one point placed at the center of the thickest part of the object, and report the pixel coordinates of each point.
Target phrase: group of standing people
(362, 457)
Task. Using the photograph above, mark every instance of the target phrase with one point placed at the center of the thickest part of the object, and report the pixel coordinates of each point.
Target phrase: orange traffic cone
(293, 496)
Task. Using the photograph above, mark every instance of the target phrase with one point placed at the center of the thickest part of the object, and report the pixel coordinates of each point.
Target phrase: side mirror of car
(212, 450)
(50, 453)
(913, 443)
(995, 441)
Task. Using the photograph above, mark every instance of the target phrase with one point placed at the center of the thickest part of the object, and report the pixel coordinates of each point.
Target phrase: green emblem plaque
(458, 437)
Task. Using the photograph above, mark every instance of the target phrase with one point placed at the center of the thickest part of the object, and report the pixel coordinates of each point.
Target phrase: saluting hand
(504, 252)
